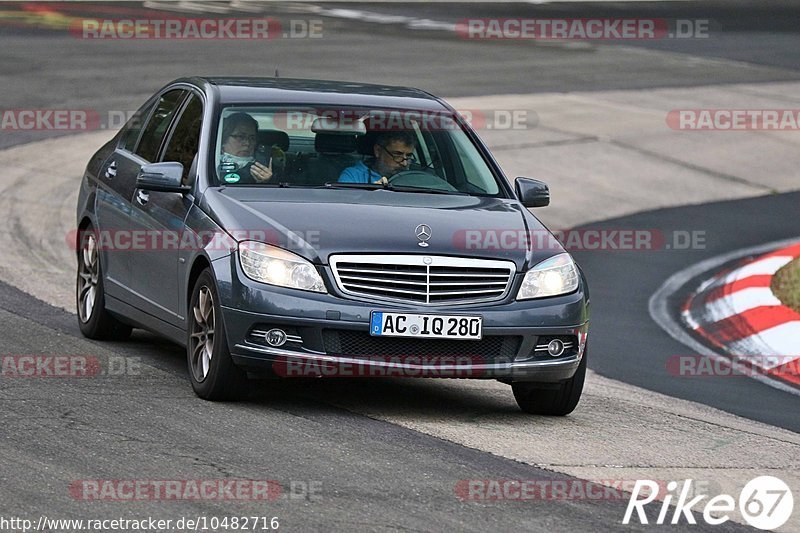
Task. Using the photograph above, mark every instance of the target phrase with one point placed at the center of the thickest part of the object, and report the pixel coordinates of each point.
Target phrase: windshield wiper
(410, 188)
(388, 187)
(282, 185)
(347, 185)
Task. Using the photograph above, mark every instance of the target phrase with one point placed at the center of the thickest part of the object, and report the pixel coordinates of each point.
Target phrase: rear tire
(551, 399)
(93, 319)
(212, 372)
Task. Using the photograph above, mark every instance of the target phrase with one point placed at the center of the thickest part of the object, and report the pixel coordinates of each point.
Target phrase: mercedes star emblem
(423, 233)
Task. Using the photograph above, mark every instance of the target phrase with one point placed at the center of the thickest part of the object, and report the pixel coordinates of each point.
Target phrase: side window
(133, 128)
(185, 139)
(157, 125)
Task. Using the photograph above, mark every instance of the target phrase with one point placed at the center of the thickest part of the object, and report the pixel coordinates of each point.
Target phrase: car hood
(318, 223)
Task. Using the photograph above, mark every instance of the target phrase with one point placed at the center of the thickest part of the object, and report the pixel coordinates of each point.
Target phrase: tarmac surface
(389, 454)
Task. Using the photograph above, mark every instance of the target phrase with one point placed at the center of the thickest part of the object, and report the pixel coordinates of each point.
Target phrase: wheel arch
(84, 223)
(200, 263)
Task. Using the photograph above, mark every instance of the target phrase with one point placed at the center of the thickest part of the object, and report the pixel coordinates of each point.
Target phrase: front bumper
(511, 329)
(296, 364)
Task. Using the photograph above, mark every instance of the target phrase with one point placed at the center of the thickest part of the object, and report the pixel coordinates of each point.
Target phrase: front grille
(426, 280)
(362, 344)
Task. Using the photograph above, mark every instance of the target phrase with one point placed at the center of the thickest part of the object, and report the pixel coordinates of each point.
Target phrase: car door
(115, 184)
(136, 149)
(160, 216)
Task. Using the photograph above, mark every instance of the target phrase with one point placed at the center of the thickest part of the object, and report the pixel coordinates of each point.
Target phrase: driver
(239, 161)
(393, 151)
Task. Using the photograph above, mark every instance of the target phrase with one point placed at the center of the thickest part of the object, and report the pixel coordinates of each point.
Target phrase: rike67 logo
(765, 503)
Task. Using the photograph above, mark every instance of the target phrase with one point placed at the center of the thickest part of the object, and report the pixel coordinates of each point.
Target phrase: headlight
(269, 264)
(551, 277)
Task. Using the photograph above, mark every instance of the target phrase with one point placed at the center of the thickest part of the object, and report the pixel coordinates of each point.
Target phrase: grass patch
(786, 285)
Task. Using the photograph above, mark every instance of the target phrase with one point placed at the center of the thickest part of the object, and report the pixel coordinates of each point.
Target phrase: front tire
(551, 399)
(211, 369)
(93, 319)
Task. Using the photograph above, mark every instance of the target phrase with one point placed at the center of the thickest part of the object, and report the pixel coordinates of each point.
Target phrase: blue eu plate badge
(376, 322)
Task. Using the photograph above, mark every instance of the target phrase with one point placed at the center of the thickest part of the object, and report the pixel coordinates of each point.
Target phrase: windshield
(403, 150)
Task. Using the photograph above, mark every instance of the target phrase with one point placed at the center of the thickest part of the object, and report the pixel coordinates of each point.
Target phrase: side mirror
(532, 193)
(162, 177)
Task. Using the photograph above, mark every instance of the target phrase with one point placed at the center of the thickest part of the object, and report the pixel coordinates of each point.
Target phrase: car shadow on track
(387, 396)
(443, 398)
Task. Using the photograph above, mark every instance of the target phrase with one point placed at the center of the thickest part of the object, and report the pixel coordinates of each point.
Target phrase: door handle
(111, 171)
(142, 197)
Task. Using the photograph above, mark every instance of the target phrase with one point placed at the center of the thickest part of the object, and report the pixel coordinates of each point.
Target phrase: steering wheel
(418, 178)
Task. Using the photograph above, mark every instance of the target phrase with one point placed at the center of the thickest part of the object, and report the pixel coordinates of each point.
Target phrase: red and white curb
(736, 312)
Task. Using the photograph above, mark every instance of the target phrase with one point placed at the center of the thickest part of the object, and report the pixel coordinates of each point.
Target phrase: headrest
(274, 138)
(365, 143)
(334, 143)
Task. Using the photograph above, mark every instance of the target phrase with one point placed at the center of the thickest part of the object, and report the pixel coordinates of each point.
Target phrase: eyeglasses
(244, 138)
(400, 157)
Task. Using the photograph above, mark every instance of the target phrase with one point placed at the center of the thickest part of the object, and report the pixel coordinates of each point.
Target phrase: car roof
(247, 90)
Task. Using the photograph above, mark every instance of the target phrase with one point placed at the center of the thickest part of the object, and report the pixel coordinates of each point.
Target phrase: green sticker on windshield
(233, 177)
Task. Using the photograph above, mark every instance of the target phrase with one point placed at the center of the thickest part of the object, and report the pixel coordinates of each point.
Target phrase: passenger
(239, 162)
(393, 151)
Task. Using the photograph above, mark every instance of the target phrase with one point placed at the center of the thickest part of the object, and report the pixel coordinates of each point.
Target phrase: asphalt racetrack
(394, 454)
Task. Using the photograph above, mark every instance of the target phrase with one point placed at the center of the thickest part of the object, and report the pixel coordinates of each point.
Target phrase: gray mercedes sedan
(304, 228)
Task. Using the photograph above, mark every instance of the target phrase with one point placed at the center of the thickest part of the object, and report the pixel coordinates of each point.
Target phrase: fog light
(276, 337)
(555, 348)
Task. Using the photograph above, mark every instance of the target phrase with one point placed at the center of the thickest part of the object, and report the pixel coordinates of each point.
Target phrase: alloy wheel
(202, 336)
(88, 273)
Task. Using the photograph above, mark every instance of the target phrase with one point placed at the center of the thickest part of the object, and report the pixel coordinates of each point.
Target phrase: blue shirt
(359, 173)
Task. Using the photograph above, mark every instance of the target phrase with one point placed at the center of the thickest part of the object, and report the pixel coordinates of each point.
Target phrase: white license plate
(425, 326)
